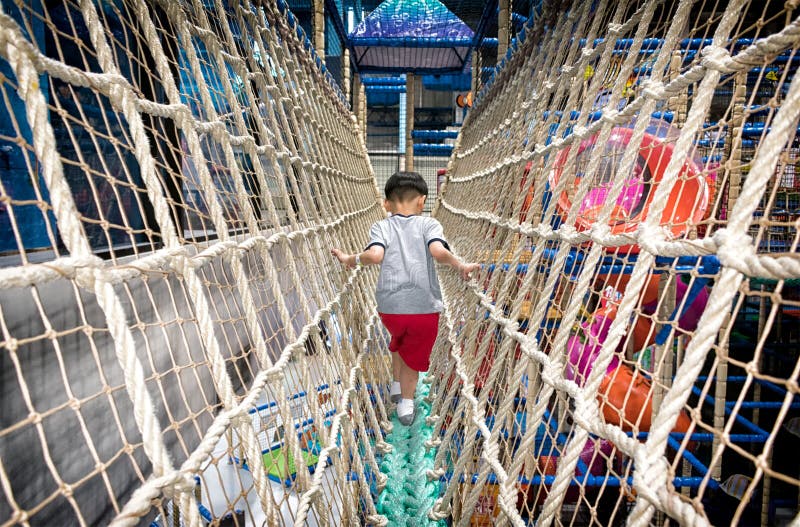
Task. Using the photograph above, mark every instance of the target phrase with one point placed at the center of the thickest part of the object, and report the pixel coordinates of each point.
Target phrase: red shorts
(413, 337)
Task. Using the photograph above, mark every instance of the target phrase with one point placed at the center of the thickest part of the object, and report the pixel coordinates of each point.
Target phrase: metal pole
(409, 121)
(362, 107)
(476, 71)
(503, 29)
(356, 102)
(319, 28)
(346, 74)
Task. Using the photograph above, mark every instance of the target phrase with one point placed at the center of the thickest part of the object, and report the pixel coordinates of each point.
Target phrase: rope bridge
(178, 344)
(605, 369)
(179, 348)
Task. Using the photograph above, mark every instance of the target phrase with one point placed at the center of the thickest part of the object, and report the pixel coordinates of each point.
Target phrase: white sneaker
(405, 411)
(394, 392)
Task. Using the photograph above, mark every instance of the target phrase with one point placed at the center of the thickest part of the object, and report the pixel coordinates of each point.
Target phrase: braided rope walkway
(408, 495)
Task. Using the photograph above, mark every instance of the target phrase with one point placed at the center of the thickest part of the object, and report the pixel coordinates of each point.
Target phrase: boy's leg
(396, 328)
(408, 385)
(395, 390)
(408, 380)
(397, 363)
(416, 352)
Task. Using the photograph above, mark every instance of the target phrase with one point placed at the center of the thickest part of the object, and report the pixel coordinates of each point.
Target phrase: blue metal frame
(383, 88)
(420, 71)
(383, 81)
(432, 149)
(434, 134)
(584, 477)
(410, 42)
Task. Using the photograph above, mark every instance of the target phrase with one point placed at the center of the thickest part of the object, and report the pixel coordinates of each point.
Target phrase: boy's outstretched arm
(372, 256)
(443, 256)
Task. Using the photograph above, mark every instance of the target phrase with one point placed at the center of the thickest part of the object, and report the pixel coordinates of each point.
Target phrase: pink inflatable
(584, 346)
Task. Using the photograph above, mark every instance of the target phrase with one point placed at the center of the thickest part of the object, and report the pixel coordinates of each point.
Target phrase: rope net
(628, 180)
(179, 348)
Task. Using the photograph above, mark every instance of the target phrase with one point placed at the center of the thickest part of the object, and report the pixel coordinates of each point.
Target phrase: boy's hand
(465, 269)
(342, 257)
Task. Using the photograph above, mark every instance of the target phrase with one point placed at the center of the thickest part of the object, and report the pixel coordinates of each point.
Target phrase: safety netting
(411, 36)
(628, 180)
(178, 347)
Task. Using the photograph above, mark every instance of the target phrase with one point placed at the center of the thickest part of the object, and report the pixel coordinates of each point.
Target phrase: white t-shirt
(407, 283)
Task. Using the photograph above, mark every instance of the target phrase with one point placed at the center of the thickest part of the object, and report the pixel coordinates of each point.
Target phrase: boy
(408, 295)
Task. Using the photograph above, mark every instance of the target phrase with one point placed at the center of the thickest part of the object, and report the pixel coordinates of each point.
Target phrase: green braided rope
(792, 282)
(408, 495)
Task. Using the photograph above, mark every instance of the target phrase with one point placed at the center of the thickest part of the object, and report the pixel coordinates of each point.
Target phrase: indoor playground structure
(179, 348)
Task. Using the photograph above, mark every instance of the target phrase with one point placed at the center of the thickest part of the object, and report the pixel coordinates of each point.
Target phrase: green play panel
(275, 462)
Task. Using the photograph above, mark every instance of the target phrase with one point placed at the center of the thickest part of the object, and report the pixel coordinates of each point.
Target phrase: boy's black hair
(405, 186)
